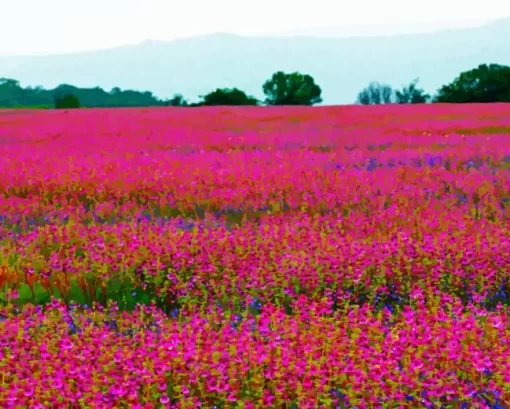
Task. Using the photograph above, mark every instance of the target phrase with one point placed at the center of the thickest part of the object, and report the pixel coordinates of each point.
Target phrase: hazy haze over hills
(383, 29)
(341, 66)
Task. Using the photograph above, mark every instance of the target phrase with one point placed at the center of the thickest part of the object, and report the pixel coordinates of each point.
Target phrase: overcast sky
(49, 26)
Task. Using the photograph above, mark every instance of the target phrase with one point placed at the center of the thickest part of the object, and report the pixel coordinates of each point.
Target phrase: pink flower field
(329, 257)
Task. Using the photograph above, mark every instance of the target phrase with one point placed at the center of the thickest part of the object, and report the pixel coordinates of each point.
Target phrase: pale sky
(54, 26)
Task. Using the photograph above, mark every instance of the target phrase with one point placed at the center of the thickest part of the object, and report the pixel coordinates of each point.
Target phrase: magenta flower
(164, 399)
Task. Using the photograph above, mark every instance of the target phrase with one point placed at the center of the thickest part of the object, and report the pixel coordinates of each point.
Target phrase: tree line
(13, 95)
(486, 83)
(281, 89)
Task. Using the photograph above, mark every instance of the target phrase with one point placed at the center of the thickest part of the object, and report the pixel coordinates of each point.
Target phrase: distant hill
(341, 66)
(384, 29)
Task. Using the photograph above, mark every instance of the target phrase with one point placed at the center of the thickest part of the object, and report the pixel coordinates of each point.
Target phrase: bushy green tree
(291, 89)
(176, 101)
(11, 92)
(67, 101)
(227, 96)
(486, 83)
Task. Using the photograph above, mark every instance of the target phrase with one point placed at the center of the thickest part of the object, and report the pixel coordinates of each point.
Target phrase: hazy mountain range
(383, 29)
(341, 65)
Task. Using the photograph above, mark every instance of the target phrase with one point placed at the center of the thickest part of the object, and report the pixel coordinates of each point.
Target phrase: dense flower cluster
(254, 258)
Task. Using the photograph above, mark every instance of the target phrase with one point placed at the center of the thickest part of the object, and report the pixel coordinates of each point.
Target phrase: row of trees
(281, 89)
(376, 94)
(12, 94)
(486, 83)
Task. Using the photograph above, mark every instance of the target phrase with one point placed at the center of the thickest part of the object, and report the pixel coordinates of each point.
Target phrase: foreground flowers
(95, 357)
(323, 258)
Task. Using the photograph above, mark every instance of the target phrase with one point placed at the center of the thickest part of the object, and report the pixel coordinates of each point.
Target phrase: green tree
(66, 101)
(486, 83)
(411, 94)
(176, 101)
(11, 93)
(376, 94)
(9, 84)
(227, 96)
(291, 89)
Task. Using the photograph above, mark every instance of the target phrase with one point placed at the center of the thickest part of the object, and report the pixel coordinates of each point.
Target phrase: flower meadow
(329, 257)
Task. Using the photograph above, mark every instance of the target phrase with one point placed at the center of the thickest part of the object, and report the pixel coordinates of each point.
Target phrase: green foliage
(227, 96)
(376, 94)
(28, 107)
(123, 98)
(486, 83)
(12, 95)
(411, 94)
(67, 101)
(176, 101)
(291, 89)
